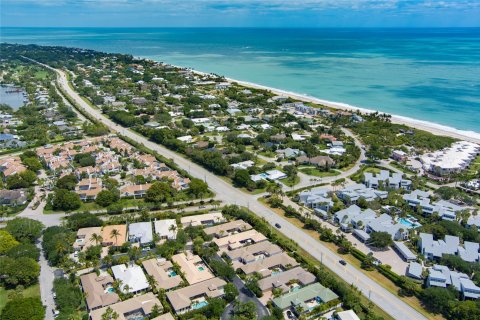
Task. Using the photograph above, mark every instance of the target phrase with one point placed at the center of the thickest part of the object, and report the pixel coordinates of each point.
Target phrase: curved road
(390, 303)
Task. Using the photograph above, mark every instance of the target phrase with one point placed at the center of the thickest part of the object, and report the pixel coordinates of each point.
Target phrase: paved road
(244, 295)
(46, 284)
(230, 195)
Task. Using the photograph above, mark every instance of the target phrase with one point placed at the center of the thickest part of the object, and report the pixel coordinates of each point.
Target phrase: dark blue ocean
(426, 74)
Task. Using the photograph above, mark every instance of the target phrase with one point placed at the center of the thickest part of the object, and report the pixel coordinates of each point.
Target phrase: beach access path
(390, 303)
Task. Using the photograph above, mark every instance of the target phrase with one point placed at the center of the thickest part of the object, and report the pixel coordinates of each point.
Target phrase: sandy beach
(434, 128)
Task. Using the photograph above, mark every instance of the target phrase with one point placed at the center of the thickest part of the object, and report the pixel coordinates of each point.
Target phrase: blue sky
(240, 13)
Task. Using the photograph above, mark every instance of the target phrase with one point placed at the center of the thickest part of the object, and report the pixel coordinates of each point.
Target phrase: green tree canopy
(25, 229)
(67, 182)
(106, 198)
(23, 309)
(160, 192)
(380, 240)
(20, 180)
(21, 271)
(66, 200)
(7, 242)
(197, 187)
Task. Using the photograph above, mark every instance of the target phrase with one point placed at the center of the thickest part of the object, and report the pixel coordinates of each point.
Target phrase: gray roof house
(445, 209)
(414, 270)
(317, 198)
(369, 221)
(140, 232)
(441, 276)
(386, 180)
(435, 249)
(406, 253)
(356, 191)
(13, 197)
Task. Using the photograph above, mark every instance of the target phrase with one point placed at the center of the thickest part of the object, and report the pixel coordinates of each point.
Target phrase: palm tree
(96, 238)
(172, 228)
(115, 233)
(126, 288)
(152, 282)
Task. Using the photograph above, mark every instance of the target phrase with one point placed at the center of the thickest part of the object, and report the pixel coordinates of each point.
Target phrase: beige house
(207, 219)
(162, 271)
(98, 290)
(289, 280)
(253, 252)
(194, 297)
(193, 267)
(108, 235)
(239, 240)
(84, 238)
(271, 265)
(138, 307)
(226, 229)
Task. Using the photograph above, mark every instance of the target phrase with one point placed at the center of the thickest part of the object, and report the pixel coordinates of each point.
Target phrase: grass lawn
(92, 206)
(32, 291)
(312, 171)
(375, 275)
(268, 154)
(288, 182)
(41, 74)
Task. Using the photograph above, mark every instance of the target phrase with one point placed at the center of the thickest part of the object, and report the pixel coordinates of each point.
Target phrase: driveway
(46, 284)
(244, 295)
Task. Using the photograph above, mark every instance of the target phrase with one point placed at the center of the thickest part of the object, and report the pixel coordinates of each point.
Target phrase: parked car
(343, 262)
(277, 225)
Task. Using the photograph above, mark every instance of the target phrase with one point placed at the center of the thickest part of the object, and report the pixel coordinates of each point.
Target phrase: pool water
(111, 290)
(263, 175)
(201, 268)
(408, 223)
(172, 274)
(199, 305)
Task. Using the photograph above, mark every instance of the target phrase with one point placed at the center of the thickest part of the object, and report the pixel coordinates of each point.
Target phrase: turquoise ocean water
(426, 74)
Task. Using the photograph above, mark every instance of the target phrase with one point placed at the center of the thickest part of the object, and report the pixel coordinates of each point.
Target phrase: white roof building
(132, 276)
(140, 232)
(166, 229)
(450, 160)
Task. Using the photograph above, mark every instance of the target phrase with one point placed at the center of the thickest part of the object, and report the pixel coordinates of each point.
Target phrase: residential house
(166, 229)
(306, 299)
(268, 266)
(193, 267)
(252, 253)
(195, 296)
(13, 197)
(286, 281)
(386, 180)
(207, 219)
(226, 229)
(140, 232)
(138, 306)
(114, 235)
(98, 290)
(162, 271)
(238, 240)
(132, 279)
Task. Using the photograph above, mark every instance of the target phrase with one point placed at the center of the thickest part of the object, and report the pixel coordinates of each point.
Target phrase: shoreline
(432, 127)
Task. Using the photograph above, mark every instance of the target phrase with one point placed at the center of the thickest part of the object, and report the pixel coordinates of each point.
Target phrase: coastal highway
(390, 303)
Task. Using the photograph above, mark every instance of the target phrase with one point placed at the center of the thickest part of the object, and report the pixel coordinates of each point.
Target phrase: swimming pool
(172, 274)
(408, 223)
(110, 290)
(201, 268)
(199, 305)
